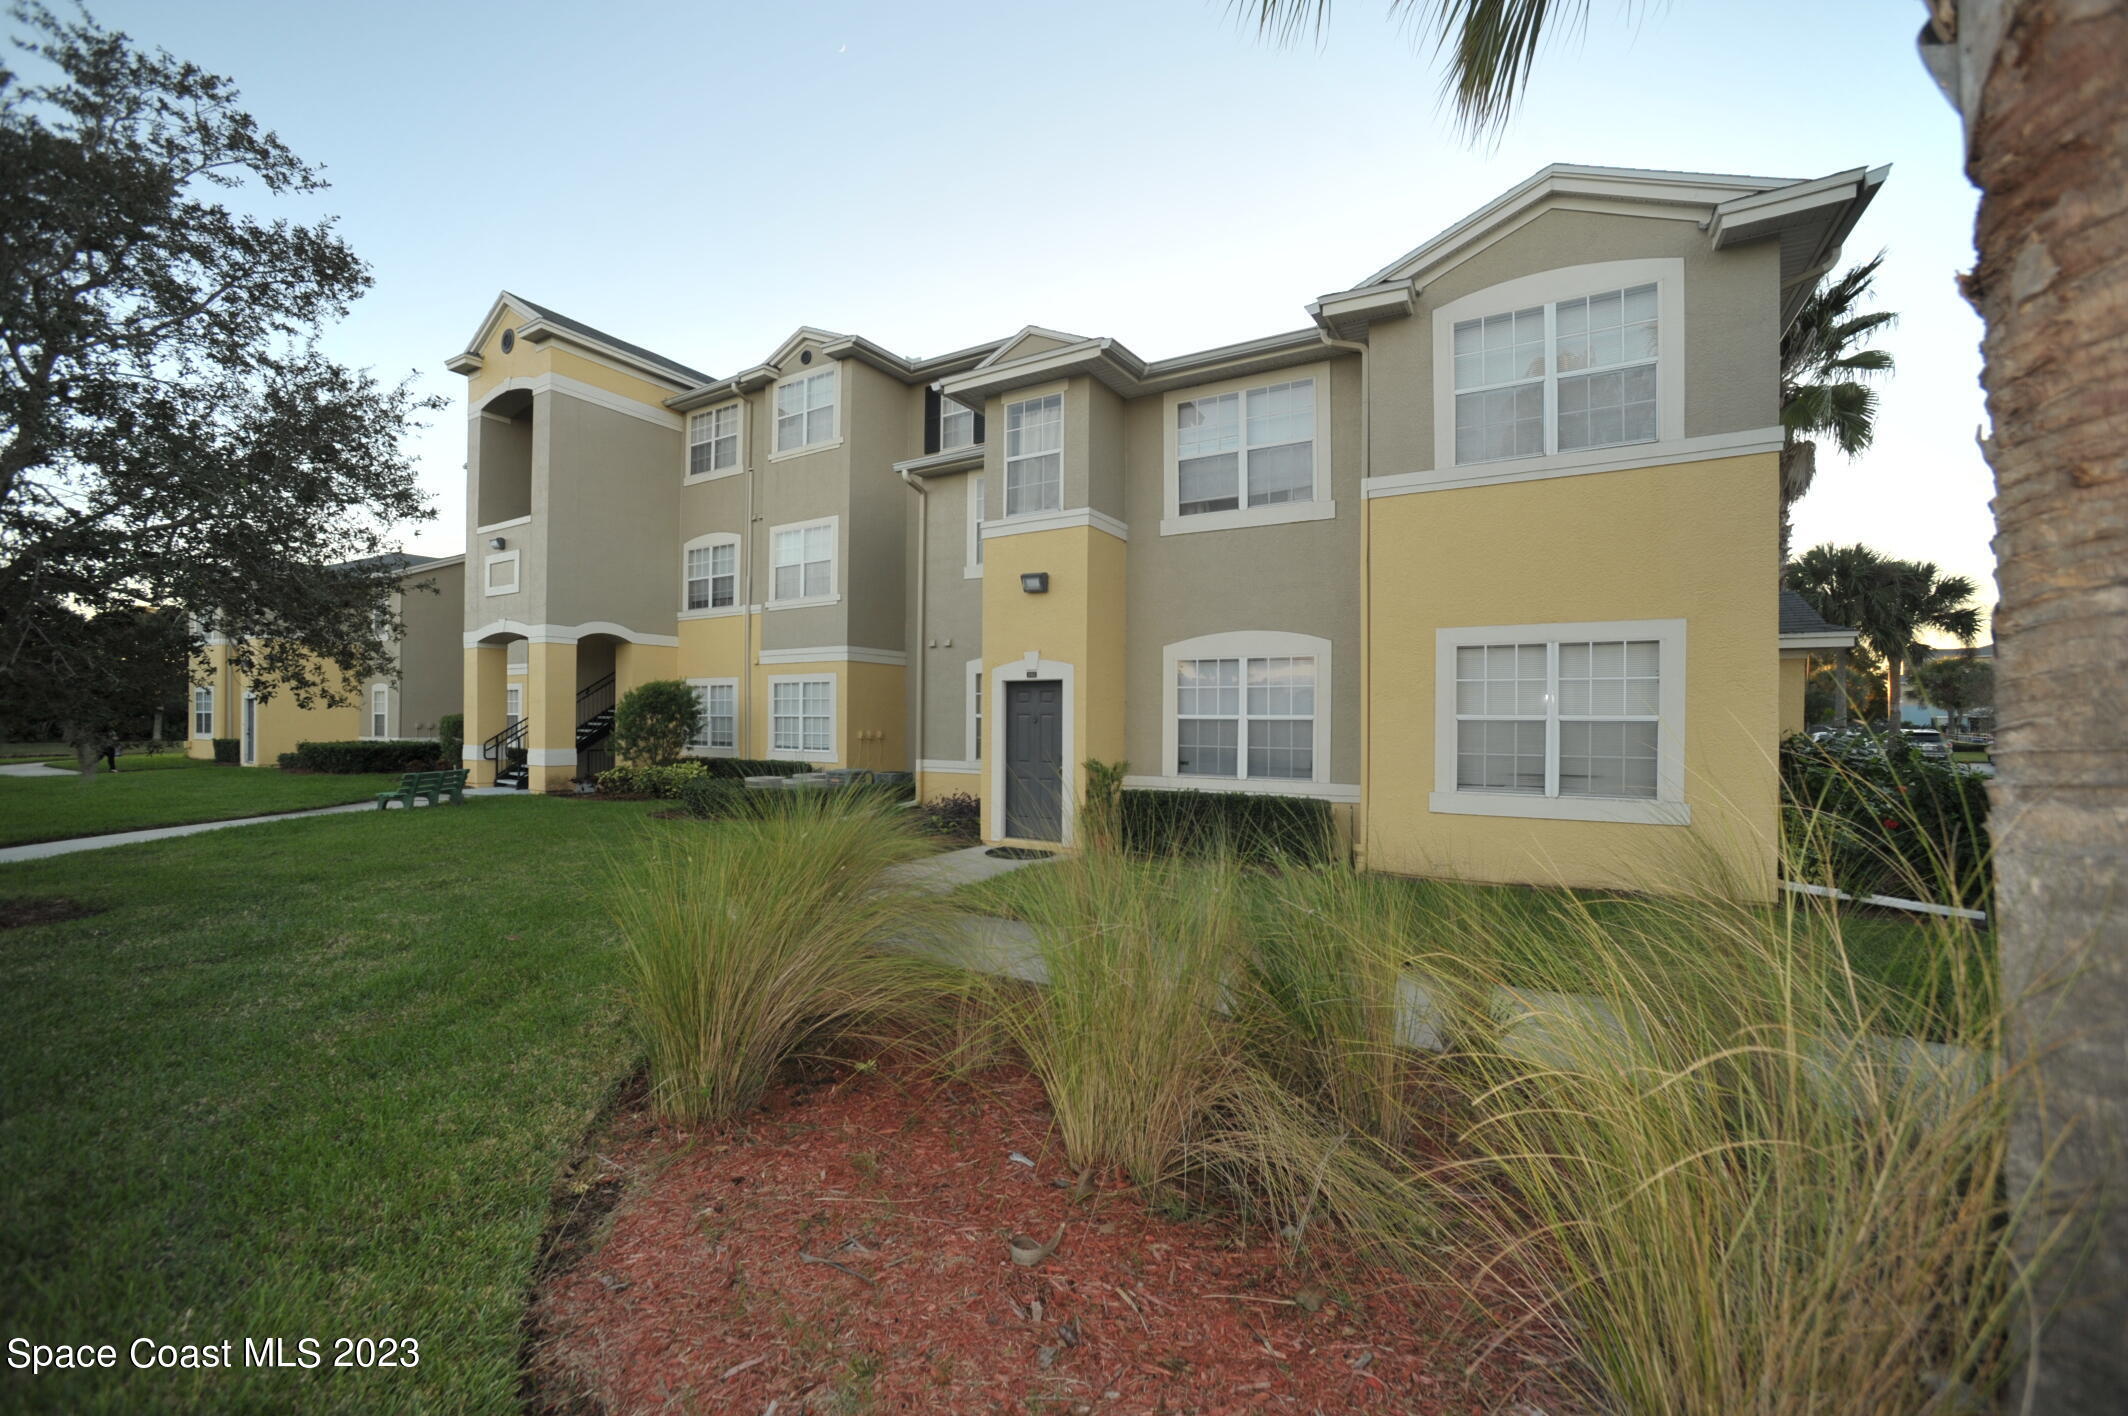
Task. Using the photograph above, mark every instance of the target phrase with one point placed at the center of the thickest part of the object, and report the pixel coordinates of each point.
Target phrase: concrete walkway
(948, 871)
(44, 850)
(35, 769)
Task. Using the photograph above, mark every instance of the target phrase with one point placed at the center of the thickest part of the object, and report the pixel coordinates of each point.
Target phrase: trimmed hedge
(400, 755)
(228, 750)
(285, 761)
(1256, 826)
(711, 798)
(450, 737)
(737, 767)
(663, 783)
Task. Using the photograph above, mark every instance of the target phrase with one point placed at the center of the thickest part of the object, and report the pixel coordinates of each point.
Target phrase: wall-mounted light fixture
(1035, 582)
(496, 543)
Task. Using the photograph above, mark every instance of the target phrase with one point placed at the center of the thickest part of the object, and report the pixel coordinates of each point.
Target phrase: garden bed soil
(844, 1249)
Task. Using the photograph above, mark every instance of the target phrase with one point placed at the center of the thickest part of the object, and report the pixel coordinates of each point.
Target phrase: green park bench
(432, 785)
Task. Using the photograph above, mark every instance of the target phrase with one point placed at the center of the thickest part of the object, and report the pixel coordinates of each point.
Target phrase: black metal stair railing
(594, 727)
(506, 750)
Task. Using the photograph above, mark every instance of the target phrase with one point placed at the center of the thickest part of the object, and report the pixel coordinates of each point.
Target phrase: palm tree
(1917, 598)
(1839, 582)
(2037, 84)
(1823, 373)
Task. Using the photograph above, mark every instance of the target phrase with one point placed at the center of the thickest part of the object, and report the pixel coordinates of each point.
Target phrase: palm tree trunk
(2047, 116)
(1891, 690)
(1839, 678)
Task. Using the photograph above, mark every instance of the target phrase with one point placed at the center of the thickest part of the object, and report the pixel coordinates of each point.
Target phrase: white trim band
(1056, 521)
(1264, 786)
(1575, 464)
(835, 654)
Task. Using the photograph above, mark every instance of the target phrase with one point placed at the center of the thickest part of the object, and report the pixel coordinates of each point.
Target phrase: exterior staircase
(594, 727)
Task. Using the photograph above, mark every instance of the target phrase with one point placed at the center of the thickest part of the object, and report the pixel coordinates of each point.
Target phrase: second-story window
(956, 425)
(713, 441)
(804, 559)
(805, 411)
(1561, 377)
(712, 576)
(1034, 455)
(1254, 447)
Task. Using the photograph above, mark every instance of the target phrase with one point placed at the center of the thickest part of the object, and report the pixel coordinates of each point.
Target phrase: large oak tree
(172, 439)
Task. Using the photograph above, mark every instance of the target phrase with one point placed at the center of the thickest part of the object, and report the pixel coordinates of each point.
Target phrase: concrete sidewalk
(44, 850)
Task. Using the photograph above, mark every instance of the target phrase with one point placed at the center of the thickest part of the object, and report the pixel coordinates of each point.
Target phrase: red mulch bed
(698, 1298)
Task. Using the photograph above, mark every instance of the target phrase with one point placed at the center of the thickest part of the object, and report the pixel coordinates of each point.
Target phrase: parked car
(1929, 743)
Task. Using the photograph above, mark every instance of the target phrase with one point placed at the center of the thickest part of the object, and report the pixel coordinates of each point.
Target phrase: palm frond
(1284, 21)
(1491, 46)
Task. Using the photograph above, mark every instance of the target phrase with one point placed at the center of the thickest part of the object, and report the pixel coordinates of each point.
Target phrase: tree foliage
(172, 440)
(1890, 603)
(655, 721)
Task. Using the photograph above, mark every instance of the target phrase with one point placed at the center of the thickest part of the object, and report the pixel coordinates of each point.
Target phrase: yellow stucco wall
(1080, 622)
(1795, 672)
(281, 721)
(530, 360)
(930, 786)
(1695, 542)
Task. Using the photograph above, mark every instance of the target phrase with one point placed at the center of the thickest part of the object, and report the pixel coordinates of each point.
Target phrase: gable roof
(545, 323)
(1809, 217)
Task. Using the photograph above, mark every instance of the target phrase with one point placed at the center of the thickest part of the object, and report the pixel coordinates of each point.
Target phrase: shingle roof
(1797, 617)
(638, 351)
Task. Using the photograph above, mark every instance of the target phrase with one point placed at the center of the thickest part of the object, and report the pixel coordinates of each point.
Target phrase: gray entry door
(1034, 760)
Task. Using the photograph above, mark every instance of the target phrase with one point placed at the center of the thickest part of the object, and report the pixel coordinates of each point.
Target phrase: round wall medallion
(806, 357)
(509, 340)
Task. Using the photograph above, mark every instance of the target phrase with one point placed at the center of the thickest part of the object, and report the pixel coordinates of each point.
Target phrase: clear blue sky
(703, 179)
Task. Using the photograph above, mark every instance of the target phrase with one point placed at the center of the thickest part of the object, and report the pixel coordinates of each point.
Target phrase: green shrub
(286, 761)
(1880, 819)
(747, 945)
(229, 750)
(401, 755)
(664, 783)
(957, 815)
(450, 737)
(1251, 825)
(654, 722)
(713, 798)
(755, 767)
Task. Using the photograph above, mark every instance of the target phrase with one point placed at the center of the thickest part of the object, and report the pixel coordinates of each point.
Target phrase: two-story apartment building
(427, 605)
(1485, 552)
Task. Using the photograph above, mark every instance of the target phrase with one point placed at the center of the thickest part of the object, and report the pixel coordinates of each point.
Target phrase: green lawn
(312, 1079)
(168, 790)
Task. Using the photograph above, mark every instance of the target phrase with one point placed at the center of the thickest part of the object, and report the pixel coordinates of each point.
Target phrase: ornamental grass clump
(757, 941)
(1749, 1183)
(1142, 1039)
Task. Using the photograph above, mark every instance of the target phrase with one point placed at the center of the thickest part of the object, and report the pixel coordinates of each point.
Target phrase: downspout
(923, 578)
(746, 597)
(1360, 826)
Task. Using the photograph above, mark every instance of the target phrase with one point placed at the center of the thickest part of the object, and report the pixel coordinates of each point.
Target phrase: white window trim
(1667, 808)
(1061, 392)
(841, 411)
(973, 413)
(1665, 273)
(1247, 644)
(687, 448)
(800, 754)
(694, 750)
(1319, 506)
(971, 720)
(487, 574)
(513, 692)
(703, 542)
(834, 590)
(369, 714)
(972, 567)
(197, 690)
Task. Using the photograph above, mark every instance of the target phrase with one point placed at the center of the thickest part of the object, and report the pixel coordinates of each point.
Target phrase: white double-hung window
(711, 576)
(805, 411)
(1250, 448)
(1559, 376)
(380, 708)
(1034, 455)
(713, 441)
(202, 711)
(802, 560)
(719, 731)
(956, 424)
(802, 716)
(1248, 706)
(1582, 721)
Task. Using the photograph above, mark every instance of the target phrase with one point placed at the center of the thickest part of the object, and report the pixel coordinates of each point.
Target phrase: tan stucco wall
(1732, 333)
(431, 656)
(1694, 542)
